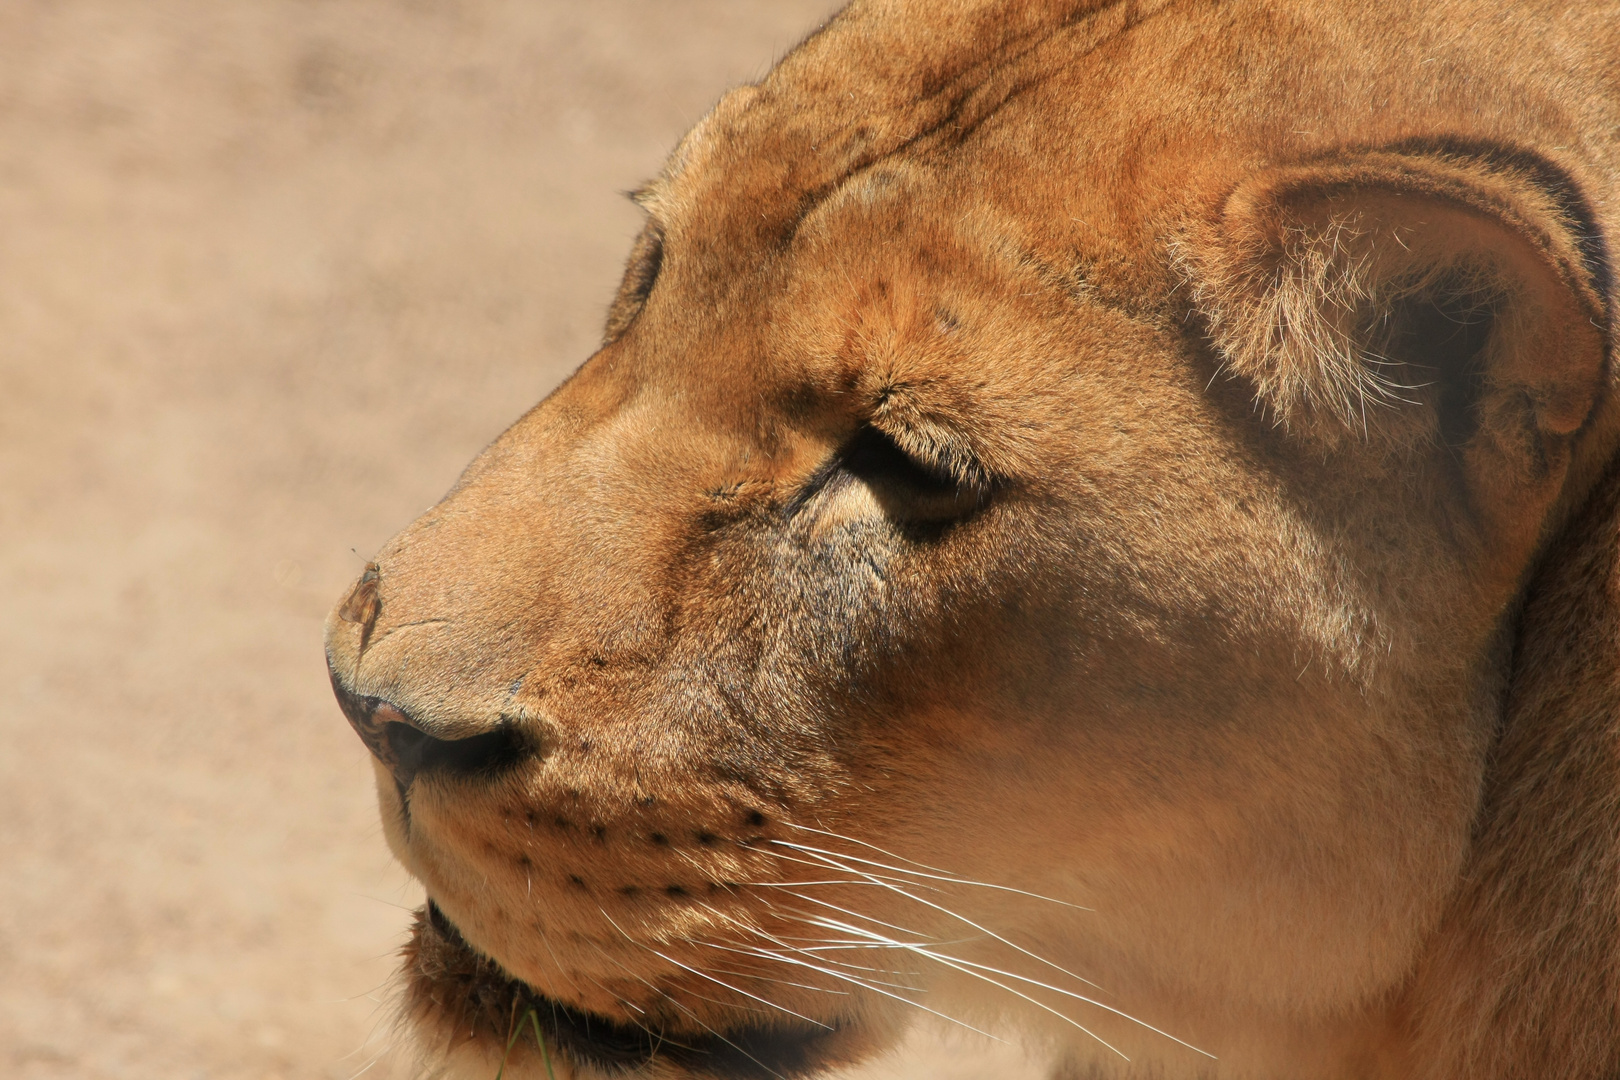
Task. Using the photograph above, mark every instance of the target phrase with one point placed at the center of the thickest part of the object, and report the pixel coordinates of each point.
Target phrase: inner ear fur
(1406, 299)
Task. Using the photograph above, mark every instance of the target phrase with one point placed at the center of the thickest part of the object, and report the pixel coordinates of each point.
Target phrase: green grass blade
(531, 1017)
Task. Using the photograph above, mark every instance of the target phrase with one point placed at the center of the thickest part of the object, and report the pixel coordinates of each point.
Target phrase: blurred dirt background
(270, 273)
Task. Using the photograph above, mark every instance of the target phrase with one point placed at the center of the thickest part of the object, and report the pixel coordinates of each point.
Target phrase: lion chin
(1092, 522)
(465, 997)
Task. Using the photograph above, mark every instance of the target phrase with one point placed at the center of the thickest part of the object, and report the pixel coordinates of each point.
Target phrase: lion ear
(1413, 298)
(1425, 299)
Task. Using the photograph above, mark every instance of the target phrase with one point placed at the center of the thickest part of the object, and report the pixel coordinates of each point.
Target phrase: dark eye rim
(872, 454)
(911, 489)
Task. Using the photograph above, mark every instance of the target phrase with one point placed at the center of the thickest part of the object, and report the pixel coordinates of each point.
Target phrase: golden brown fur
(1155, 461)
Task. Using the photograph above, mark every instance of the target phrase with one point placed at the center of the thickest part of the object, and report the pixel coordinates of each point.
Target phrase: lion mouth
(453, 987)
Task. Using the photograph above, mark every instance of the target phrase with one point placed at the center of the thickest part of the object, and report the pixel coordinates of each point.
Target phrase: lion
(1094, 521)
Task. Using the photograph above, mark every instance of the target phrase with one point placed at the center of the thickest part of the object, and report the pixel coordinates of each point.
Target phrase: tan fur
(1155, 461)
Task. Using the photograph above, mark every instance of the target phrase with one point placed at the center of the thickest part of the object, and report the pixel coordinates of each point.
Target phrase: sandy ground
(270, 273)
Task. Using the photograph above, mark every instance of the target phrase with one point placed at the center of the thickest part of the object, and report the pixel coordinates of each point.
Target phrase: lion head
(1092, 516)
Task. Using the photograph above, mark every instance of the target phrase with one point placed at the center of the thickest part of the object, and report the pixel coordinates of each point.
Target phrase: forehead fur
(879, 85)
(1155, 125)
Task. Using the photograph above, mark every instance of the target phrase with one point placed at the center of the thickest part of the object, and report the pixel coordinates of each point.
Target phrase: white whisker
(681, 1006)
(882, 941)
(779, 982)
(964, 919)
(1035, 1002)
(931, 872)
(954, 961)
(758, 932)
(879, 941)
(766, 954)
(735, 990)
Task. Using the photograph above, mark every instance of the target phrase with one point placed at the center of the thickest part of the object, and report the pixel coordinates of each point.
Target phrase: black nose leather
(396, 740)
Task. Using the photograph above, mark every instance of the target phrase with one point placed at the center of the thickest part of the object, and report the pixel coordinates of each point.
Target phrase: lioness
(1096, 519)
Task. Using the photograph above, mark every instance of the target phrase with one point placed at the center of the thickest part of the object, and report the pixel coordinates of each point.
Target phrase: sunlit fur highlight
(1093, 523)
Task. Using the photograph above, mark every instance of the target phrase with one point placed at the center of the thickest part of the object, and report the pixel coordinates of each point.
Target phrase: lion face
(961, 580)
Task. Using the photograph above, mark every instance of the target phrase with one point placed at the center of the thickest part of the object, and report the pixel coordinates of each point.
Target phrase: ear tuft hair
(1394, 296)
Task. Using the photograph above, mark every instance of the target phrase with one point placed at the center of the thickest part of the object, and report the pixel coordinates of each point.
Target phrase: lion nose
(399, 742)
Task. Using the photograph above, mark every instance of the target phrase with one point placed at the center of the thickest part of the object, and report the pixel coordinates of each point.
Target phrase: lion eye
(908, 487)
(873, 455)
